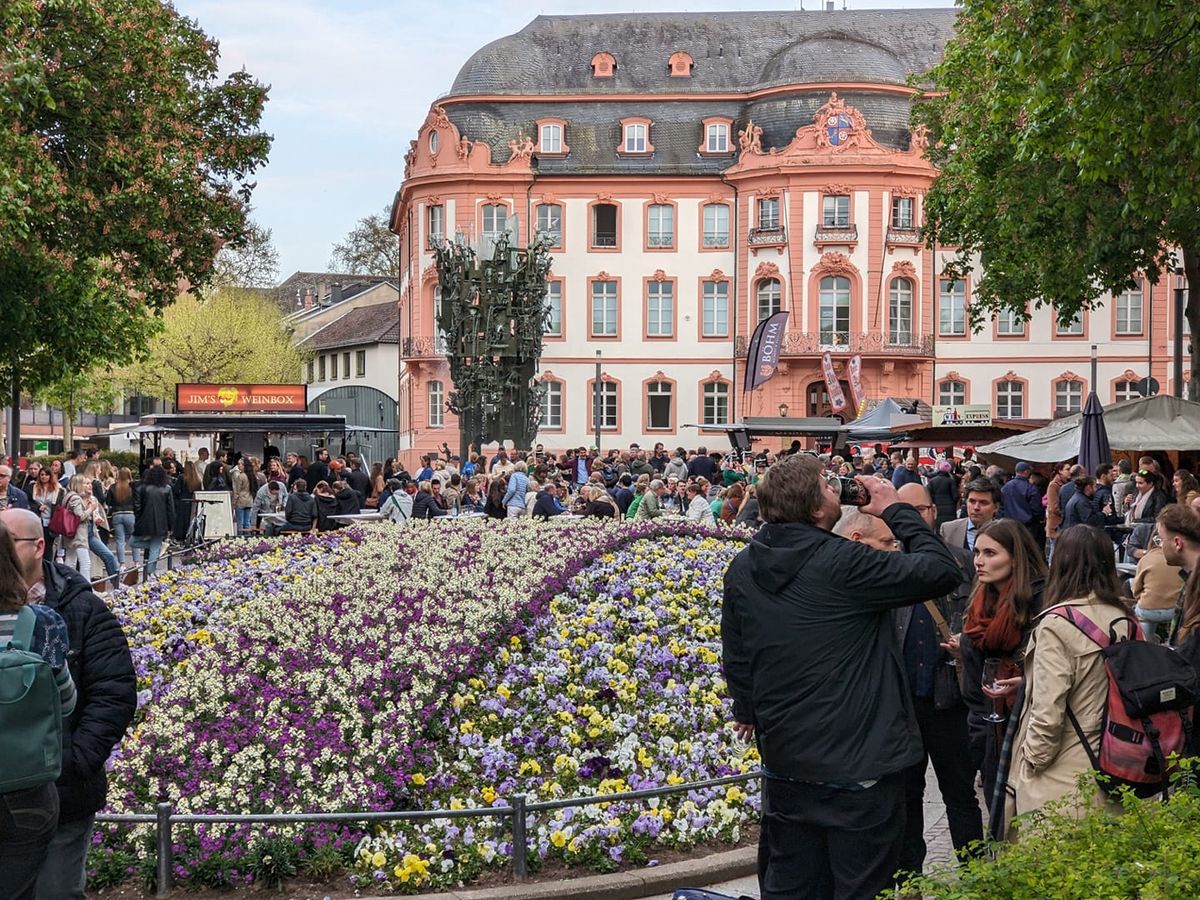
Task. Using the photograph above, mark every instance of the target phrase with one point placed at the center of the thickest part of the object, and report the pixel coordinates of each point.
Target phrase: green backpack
(30, 713)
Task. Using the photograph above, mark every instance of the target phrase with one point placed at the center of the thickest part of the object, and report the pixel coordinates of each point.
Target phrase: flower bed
(587, 661)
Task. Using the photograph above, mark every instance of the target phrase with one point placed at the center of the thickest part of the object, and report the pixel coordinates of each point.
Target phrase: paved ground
(937, 840)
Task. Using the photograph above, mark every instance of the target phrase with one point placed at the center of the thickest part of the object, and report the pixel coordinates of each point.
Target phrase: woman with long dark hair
(1010, 576)
(154, 514)
(1066, 683)
(120, 510)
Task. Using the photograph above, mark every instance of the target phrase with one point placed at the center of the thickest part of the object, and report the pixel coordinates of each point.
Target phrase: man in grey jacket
(650, 507)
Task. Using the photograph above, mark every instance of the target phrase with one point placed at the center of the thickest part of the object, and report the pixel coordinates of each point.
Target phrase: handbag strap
(939, 620)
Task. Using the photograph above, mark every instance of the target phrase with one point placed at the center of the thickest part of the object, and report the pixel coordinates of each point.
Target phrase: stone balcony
(801, 343)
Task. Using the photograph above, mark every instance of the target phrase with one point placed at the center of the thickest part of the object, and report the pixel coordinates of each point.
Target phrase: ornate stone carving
(717, 198)
(549, 198)
(714, 375)
(835, 264)
(1010, 375)
(904, 269)
(905, 192)
(840, 127)
(410, 157)
(768, 193)
(1130, 375)
(717, 275)
(659, 376)
(438, 118)
(661, 198)
(1069, 376)
(660, 276)
(919, 140)
(604, 197)
(430, 274)
(766, 270)
(463, 147)
(750, 138)
(603, 276)
(837, 189)
(952, 375)
(494, 198)
(522, 148)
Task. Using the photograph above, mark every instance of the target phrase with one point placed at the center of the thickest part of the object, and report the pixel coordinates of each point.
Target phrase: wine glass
(956, 627)
(991, 668)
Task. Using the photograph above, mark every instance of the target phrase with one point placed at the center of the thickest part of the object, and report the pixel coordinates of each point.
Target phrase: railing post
(520, 848)
(165, 861)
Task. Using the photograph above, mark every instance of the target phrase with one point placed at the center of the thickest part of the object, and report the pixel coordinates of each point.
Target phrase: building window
(902, 213)
(333, 367)
(552, 138)
(834, 312)
(900, 313)
(311, 371)
(1129, 310)
(321, 367)
(1068, 397)
(658, 405)
(952, 393)
(1010, 323)
(660, 309)
(435, 143)
(1073, 328)
(768, 212)
(346, 364)
(604, 309)
(1125, 390)
(551, 405)
(635, 138)
(608, 404)
(717, 138)
(660, 230)
(437, 224)
(603, 65)
(716, 225)
(604, 225)
(360, 363)
(716, 403)
(437, 405)
(1010, 400)
(952, 311)
(716, 309)
(769, 295)
(495, 218)
(440, 343)
(553, 326)
(835, 211)
(549, 223)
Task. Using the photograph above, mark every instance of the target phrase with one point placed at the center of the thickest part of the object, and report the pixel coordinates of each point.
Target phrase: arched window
(770, 296)
(900, 313)
(1068, 397)
(437, 404)
(1010, 399)
(835, 312)
(440, 345)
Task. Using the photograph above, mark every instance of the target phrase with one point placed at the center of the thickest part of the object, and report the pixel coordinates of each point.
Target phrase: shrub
(1147, 850)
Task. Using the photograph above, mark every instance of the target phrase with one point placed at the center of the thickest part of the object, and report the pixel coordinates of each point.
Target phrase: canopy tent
(883, 422)
(1137, 426)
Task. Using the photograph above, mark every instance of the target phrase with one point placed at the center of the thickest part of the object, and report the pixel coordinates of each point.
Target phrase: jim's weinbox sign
(241, 398)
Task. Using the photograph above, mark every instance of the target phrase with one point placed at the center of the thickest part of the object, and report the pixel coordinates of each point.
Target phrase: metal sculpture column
(493, 315)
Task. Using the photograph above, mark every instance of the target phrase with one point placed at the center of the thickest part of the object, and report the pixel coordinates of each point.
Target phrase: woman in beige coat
(1063, 668)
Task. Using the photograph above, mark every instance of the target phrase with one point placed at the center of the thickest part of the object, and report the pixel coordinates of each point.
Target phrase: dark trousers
(826, 843)
(944, 734)
(27, 822)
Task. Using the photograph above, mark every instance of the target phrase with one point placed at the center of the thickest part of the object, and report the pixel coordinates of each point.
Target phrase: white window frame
(904, 213)
(715, 405)
(952, 307)
(1128, 325)
(1010, 400)
(1068, 397)
(952, 392)
(660, 309)
(717, 138)
(551, 406)
(604, 302)
(609, 400)
(551, 138)
(716, 225)
(660, 226)
(636, 137)
(900, 312)
(770, 292)
(834, 309)
(553, 323)
(1009, 324)
(768, 213)
(436, 222)
(659, 389)
(715, 321)
(491, 211)
(835, 211)
(436, 392)
(1074, 327)
(549, 222)
(1125, 389)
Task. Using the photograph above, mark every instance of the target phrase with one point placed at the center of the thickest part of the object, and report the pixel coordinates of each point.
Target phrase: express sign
(241, 398)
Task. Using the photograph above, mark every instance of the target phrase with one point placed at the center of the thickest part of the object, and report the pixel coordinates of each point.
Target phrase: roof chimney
(335, 293)
(308, 300)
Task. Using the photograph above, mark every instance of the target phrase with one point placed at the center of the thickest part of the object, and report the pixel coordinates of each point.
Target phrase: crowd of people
(962, 610)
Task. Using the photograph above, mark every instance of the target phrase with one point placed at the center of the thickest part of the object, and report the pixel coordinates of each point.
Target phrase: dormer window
(635, 137)
(680, 65)
(552, 137)
(716, 136)
(603, 65)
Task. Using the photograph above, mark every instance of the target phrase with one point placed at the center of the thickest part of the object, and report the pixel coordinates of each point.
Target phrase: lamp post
(783, 408)
(1177, 349)
(1094, 386)
(596, 405)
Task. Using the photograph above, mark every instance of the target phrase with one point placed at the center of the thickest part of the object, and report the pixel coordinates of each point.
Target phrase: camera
(852, 493)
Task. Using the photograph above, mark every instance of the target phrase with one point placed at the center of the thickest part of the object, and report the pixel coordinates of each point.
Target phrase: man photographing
(812, 668)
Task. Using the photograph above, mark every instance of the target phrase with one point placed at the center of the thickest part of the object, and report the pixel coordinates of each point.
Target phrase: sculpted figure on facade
(750, 138)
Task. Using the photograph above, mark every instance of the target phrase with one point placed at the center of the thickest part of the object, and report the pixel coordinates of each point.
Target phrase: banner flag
(856, 388)
(836, 398)
(762, 356)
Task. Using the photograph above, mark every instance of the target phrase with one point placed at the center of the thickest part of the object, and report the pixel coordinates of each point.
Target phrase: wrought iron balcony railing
(904, 235)
(836, 234)
(766, 236)
(801, 343)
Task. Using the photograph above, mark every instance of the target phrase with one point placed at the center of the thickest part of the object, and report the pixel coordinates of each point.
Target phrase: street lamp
(783, 408)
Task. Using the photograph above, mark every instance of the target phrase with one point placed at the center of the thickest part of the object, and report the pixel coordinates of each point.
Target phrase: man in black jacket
(813, 670)
(102, 669)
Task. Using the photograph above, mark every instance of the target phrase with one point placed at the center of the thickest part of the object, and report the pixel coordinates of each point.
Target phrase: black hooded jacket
(810, 653)
(102, 669)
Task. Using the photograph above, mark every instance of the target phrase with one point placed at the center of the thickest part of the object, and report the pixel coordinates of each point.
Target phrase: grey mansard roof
(732, 52)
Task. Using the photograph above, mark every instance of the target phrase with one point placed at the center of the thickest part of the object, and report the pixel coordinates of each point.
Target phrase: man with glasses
(11, 497)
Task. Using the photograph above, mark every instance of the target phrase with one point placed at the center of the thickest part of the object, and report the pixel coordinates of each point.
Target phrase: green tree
(1068, 139)
(95, 391)
(229, 336)
(369, 249)
(124, 164)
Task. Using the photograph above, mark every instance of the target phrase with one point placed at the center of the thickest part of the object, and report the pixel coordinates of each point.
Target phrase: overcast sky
(352, 80)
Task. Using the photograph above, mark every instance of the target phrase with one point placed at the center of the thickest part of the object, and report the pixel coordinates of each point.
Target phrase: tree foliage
(124, 164)
(1068, 139)
(249, 262)
(369, 249)
(75, 392)
(227, 336)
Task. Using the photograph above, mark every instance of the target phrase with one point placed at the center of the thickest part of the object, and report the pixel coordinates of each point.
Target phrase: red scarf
(995, 633)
